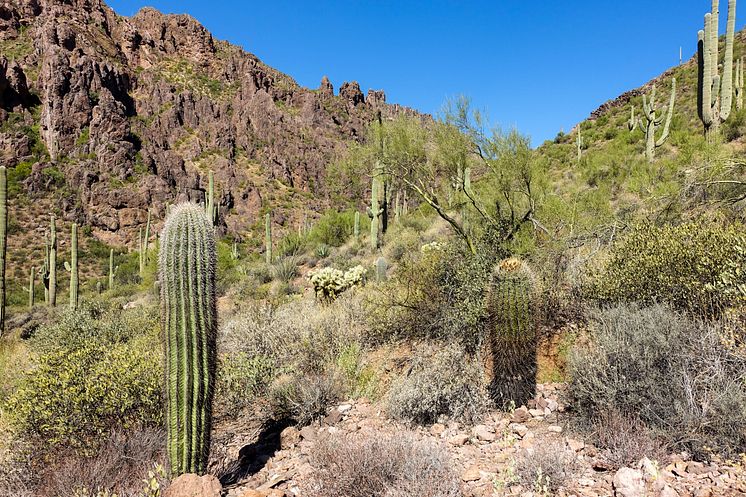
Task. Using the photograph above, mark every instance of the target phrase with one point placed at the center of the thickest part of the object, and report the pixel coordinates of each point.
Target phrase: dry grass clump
(380, 465)
(546, 466)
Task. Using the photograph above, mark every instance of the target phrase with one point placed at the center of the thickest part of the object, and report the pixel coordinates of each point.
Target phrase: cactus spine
(186, 266)
(511, 336)
(715, 92)
(3, 241)
(356, 229)
(31, 276)
(375, 210)
(268, 238)
(653, 121)
(72, 267)
(52, 262)
(738, 85)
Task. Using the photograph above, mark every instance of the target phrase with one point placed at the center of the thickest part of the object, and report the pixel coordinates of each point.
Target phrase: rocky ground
(484, 456)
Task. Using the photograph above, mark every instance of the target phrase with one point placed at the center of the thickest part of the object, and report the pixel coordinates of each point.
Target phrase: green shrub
(665, 369)
(285, 269)
(695, 266)
(240, 380)
(292, 245)
(72, 398)
(333, 228)
(441, 382)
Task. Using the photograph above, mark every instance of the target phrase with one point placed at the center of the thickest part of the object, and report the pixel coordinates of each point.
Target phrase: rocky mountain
(103, 117)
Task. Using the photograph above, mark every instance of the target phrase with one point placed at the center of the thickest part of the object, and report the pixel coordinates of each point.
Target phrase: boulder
(191, 485)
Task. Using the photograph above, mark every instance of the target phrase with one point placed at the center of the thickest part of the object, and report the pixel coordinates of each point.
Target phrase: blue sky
(540, 66)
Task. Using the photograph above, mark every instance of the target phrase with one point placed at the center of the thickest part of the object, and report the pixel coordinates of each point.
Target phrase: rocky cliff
(102, 117)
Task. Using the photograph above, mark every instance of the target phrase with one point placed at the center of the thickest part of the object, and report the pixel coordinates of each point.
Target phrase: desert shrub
(735, 127)
(285, 269)
(669, 370)
(322, 251)
(694, 266)
(380, 465)
(627, 439)
(401, 241)
(436, 293)
(333, 228)
(121, 466)
(442, 382)
(292, 244)
(72, 397)
(546, 467)
(361, 380)
(240, 379)
(328, 283)
(306, 398)
(93, 322)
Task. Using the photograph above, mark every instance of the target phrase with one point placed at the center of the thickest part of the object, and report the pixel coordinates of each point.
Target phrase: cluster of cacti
(511, 336)
(187, 263)
(143, 246)
(72, 267)
(715, 92)
(3, 241)
(738, 84)
(653, 120)
(375, 210)
(328, 282)
(268, 238)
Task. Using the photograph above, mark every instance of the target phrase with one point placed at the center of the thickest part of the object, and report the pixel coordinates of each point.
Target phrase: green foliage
(241, 379)
(695, 266)
(72, 398)
(333, 228)
(292, 244)
(17, 175)
(285, 269)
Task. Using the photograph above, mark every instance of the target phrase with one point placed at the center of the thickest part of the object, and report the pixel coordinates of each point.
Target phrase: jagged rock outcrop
(133, 112)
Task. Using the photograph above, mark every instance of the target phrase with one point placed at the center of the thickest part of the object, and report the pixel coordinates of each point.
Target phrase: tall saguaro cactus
(375, 211)
(268, 238)
(52, 262)
(72, 267)
(356, 228)
(186, 265)
(653, 120)
(579, 144)
(715, 92)
(738, 85)
(511, 334)
(112, 269)
(3, 241)
(30, 290)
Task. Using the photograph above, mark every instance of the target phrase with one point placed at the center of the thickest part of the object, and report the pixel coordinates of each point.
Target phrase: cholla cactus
(431, 247)
(328, 283)
(511, 333)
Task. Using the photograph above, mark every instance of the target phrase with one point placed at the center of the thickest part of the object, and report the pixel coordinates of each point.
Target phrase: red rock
(190, 485)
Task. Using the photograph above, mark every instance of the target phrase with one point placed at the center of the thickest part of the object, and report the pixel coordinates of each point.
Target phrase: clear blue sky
(541, 66)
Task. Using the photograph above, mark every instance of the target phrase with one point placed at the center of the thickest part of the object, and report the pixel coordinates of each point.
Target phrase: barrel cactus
(511, 337)
(187, 262)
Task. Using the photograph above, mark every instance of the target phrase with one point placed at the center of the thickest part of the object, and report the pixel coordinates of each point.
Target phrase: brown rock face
(134, 112)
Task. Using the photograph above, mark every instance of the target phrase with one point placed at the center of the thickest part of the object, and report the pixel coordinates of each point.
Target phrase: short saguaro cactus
(511, 338)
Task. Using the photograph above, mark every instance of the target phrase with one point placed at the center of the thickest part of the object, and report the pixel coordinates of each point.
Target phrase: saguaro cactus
(375, 210)
(356, 229)
(210, 208)
(738, 85)
(186, 266)
(511, 334)
(381, 268)
(268, 238)
(52, 262)
(72, 267)
(30, 290)
(632, 123)
(112, 269)
(653, 121)
(3, 241)
(715, 92)
(579, 144)
(44, 270)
